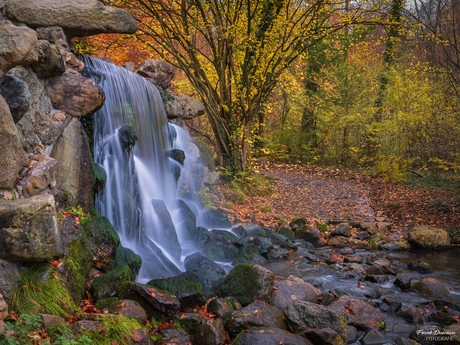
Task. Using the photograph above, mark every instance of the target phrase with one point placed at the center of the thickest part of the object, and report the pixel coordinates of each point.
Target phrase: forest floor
(322, 194)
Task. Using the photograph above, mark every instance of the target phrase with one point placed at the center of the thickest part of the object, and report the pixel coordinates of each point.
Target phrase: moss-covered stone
(77, 267)
(100, 176)
(189, 292)
(207, 278)
(286, 232)
(113, 283)
(125, 256)
(106, 303)
(103, 240)
(428, 237)
(249, 254)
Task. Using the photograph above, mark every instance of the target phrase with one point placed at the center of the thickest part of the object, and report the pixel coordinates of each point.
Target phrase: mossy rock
(432, 288)
(125, 256)
(100, 176)
(249, 255)
(309, 234)
(428, 237)
(280, 239)
(208, 279)
(220, 307)
(262, 244)
(286, 232)
(190, 293)
(113, 283)
(247, 283)
(106, 303)
(77, 267)
(103, 240)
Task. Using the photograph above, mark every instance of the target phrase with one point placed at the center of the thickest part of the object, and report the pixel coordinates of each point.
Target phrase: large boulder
(50, 61)
(292, 289)
(158, 72)
(40, 126)
(77, 17)
(428, 237)
(74, 172)
(183, 107)
(9, 278)
(75, 94)
(13, 157)
(18, 46)
(248, 283)
(29, 229)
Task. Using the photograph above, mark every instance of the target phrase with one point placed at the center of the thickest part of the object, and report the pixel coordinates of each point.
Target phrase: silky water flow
(142, 193)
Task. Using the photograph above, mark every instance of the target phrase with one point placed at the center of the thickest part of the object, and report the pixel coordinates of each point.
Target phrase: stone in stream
(265, 335)
(323, 336)
(431, 288)
(256, 314)
(213, 219)
(291, 289)
(360, 313)
(373, 338)
(428, 237)
(196, 261)
(390, 304)
(420, 266)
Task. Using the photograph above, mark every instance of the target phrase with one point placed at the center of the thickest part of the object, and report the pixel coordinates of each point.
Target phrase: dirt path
(327, 194)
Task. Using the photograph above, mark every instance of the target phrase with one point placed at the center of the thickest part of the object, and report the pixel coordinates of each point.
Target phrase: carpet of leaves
(322, 194)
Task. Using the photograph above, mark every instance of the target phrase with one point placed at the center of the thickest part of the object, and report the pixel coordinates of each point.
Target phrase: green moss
(113, 283)
(125, 256)
(106, 303)
(177, 286)
(116, 329)
(286, 232)
(42, 292)
(102, 231)
(78, 265)
(240, 283)
(418, 286)
(248, 255)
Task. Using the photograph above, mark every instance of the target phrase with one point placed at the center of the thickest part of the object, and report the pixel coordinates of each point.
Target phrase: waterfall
(141, 197)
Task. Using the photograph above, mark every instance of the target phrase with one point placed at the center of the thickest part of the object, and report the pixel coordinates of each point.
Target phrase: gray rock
(323, 336)
(3, 308)
(183, 107)
(129, 308)
(373, 338)
(29, 230)
(428, 237)
(158, 72)
(342, 229)
(50, 61)
(256, 314)
(16, 93)
(430, 287)
(291, 289)
(12, 155)
(302, 315)
(210, 332)
(74, 169)
(41, 176)
(186, 225)
(197, 261)
(9, 278)
(265, 336)
(18, 46)
(75, 94)
(360, 313)
(52, 321)
(39, 127)
(77, 17)
(391, 304)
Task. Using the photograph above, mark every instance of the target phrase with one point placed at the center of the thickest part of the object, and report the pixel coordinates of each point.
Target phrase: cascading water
(140, 197)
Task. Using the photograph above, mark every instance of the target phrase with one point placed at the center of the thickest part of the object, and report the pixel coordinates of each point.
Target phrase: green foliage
(42, 291)
(454, 233)
(25, 330)
(439, 206)
(78, 265)
(323, 227)
(83, 46)
(77, 212)
(373, 241)
(206, 197)
(116, 329)
(63, 336)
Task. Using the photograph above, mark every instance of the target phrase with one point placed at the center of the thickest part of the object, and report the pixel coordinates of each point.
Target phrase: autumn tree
(233, 53)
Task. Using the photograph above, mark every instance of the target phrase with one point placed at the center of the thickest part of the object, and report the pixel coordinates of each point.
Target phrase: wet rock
(342, 229)
(394, 246)
(264, 336)
(217, 246)
(333, 259)
(373, 338)
(190, 293)
(360, 313)
(18, 46)
(128, 137)
(114, 283)
(256, 314)
(443, 317)
(190, 322)
(363, 235)
(309, 233)
(291, 289)
(352, 334)
(261, 244)
(248, 254)
(341, 242)
(255, 231)
(129, 308)
(277, 254)
(353, 259)
(323, 336)
(40, 177)
(175, 336)
(158, 72)
(16, 93)
(390, 304)
(248, 283)
(430, 287)
(125, 256)
(279, 240)
(78, 18)
(12, 155)
(428, 237)
(302, 315)
(403, 281)
(286, 232)
(197, 261)
(29, 229)
(142, 337)
(240, 231)
(220, 307)
(454, 332)
(75, 94)
(377, 278)
(86, 326)
(405, 341)
(207, 278)
(104, 241)
(74, 169)
(186, 227)
(210, 332)
(213, 219)
(50, 61)
(420, 266)
(167, 237)
(156, 303)
(412, 314)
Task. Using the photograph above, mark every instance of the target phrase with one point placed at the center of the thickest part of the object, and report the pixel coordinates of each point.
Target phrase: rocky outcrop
(18, 46)
(41, 175)
(428, 237)
(50, 62)
(13, 157)
(158, 72)
(16, 93)
(75, 94)
(183, 107)
(77, 17)
(74, 169)
(29, 229)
